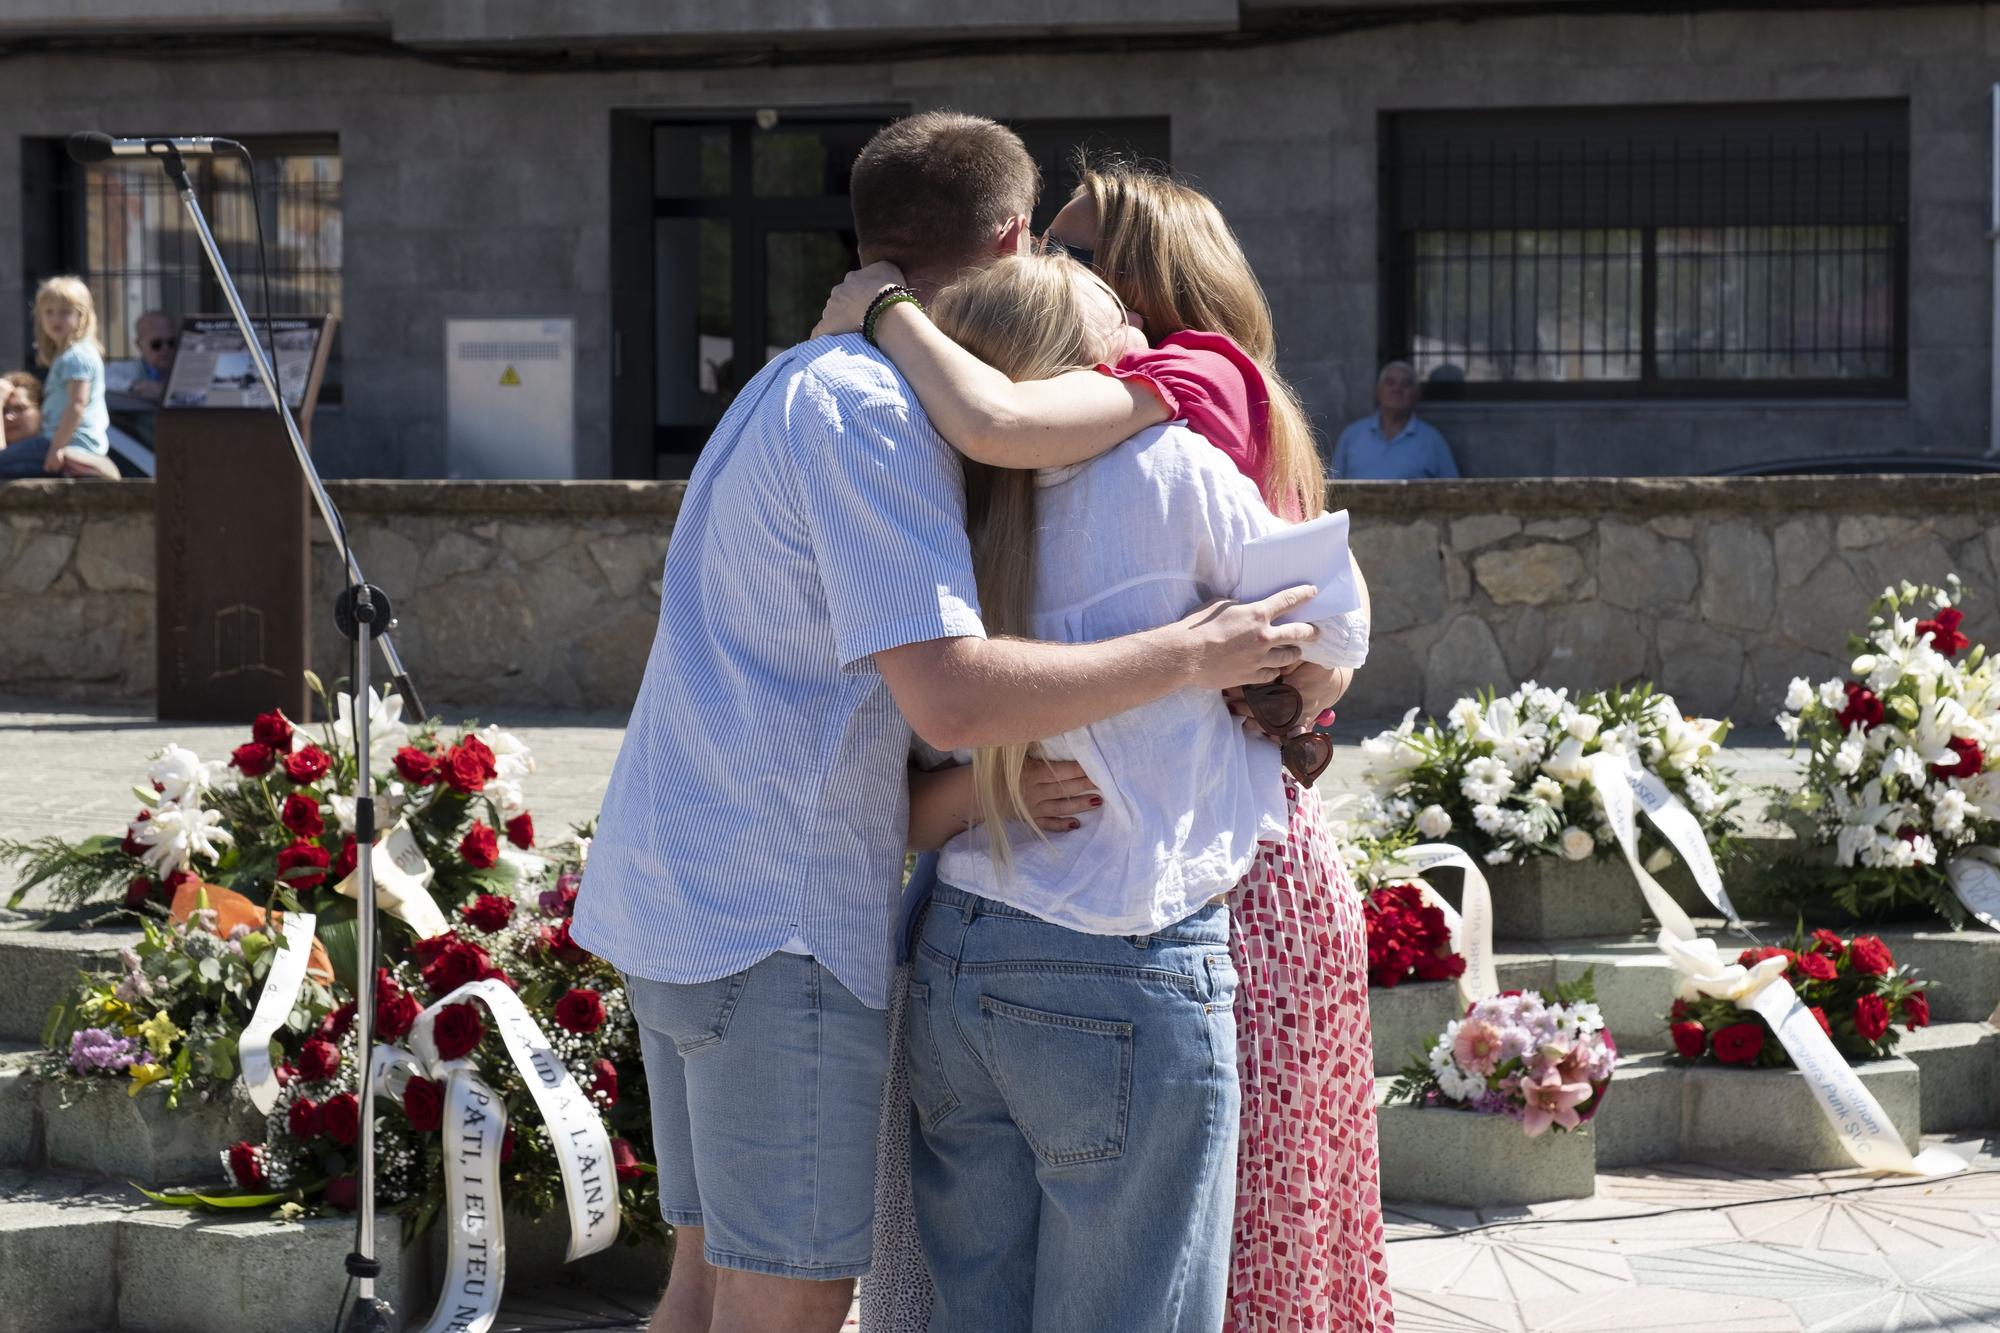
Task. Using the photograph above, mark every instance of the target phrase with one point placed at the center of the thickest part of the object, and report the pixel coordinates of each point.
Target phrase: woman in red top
(1308, 1249)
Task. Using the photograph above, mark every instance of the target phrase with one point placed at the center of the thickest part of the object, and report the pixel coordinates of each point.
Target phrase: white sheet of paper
(1314, 553)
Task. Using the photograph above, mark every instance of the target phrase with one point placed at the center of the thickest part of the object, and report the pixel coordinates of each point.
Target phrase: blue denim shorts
(767, 1092)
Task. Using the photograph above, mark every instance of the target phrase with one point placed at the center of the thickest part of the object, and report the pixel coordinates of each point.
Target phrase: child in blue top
(78, 444)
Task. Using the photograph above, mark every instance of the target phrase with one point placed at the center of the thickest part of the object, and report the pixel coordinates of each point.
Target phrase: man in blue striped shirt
(819, 592)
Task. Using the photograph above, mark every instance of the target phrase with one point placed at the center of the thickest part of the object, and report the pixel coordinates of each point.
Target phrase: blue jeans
(767, 1095)
(1076, 1101)
(24, 458)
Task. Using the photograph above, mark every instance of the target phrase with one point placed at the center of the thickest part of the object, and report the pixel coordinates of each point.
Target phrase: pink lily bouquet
(1543, 1058)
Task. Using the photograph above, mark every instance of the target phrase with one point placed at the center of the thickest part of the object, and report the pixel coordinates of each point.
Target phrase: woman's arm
(72, 417)
(987, 417)
(943, 804)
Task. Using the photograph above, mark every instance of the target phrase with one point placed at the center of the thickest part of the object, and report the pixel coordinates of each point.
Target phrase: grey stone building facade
(1613, 242)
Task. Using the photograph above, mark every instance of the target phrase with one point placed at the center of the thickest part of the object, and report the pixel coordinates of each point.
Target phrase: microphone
(92, 146)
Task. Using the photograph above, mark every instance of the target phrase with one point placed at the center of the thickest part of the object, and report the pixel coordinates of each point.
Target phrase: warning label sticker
(510, 378)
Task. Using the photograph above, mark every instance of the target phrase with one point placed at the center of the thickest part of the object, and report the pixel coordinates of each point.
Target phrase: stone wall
(515, 595)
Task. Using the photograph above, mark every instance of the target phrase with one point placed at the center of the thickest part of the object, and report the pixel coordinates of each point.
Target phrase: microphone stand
(363, 614)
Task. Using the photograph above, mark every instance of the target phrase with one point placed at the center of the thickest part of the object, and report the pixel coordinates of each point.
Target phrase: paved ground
(1658, 1248)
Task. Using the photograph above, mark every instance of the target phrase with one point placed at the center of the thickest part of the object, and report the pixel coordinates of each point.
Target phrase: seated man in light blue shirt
(1391, 444)
(818, 592)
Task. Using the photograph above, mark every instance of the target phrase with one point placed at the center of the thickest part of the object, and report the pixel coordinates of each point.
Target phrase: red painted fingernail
(1073, 824)
(1097, 800)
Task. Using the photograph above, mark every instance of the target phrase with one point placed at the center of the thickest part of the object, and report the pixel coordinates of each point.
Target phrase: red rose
(581, 1010)
(499, 975)
(566, 950)
(1942, 631)
(1871, 957)
(1971, 759)
(1690, 1040)
(1915, 1011)
(1678, 1012)
(1816, 966)
(423, 1103)
(318, 1060)
(132, 847)
(458, 1031)
(1829, 942)
(604, 1082)
(417, 768)
(1819, 1016)
(1739, 1043)
(468, 766)
(138, 891)
(480, 846)
(456, 964)
(625, 1161)
(253, 760)
(521, 830)
(244, 1167)
(273, 729)
(1871, 1017)
(343, 1193)
(334, 1026)
(488, 912)
(340, 1117)
(304, 1119)
(395, 1015)
(1752, 957)
(343, 864)
(308, 856)
(1439, 967)
(301, 815)
(171, 885)
(1863, 707)
(307, 765)
(507, 1146)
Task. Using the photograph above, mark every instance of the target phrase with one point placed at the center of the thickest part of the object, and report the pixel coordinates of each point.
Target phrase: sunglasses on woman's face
(1277, 707)
(1083, 255)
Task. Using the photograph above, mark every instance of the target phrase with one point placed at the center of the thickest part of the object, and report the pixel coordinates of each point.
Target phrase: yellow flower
(160, 1033)
(145, 1075)
(107, 1009)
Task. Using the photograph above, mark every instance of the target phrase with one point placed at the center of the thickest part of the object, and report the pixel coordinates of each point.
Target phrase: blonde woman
(1307, 1243)
(66, 344)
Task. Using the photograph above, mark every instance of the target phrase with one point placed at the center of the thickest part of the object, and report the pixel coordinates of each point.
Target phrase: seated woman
(1076, 1163)
(1308, 1151)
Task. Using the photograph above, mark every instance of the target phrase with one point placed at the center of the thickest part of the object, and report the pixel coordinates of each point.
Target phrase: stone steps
(39, 967)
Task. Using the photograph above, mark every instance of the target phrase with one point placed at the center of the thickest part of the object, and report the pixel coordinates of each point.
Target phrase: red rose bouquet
(1407, 938)
(1853, 987)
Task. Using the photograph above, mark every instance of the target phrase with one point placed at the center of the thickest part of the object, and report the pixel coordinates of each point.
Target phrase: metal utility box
(510, 394)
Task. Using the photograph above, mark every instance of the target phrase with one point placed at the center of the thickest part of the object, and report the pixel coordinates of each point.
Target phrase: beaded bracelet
(885, 298)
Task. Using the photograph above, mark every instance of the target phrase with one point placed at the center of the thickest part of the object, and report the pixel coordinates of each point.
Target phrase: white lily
(387, 731)
(1704, 973)
(181, 774)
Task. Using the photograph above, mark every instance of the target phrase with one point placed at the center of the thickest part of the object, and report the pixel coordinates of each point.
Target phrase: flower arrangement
(1407, 937)
(1852, 986)
(1508, 776)
(173, 1013)
(274, 827)
(1543, 1058)
(278, 815)
(1902, 757)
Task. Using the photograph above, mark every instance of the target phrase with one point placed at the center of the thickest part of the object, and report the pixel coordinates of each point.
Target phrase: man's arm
(963, 693)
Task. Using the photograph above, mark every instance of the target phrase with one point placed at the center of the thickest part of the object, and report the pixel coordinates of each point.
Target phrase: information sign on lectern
(233, 524)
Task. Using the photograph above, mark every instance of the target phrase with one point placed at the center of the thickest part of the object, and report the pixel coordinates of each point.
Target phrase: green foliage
(76, 872)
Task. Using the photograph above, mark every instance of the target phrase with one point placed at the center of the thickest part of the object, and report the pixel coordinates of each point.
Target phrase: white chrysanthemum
(1847, 759)
(1547, 790)
(1799, 695)
(176, 835)
(1460, 1086)
(1581, 1017)
(1701, 794)
(1833, 695)
(1433, 821)
(1949, 812)
(1499, 856)
(1487, 781)
(1577, 844)
(1487, 819)
(1440, 1054)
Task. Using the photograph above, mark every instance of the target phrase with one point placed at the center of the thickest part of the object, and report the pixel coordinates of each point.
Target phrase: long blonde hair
(71, 292)
(1024, 316)
(1166, 250)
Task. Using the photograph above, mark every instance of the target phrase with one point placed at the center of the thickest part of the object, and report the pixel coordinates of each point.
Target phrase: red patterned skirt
(1308, 1245)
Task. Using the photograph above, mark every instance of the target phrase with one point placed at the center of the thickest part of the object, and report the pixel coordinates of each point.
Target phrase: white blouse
(1132, 540)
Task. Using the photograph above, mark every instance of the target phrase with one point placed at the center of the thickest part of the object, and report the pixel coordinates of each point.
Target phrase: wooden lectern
(233, 523)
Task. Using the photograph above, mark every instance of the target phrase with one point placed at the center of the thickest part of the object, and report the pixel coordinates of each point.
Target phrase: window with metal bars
(1674, 252)
(119, 226)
